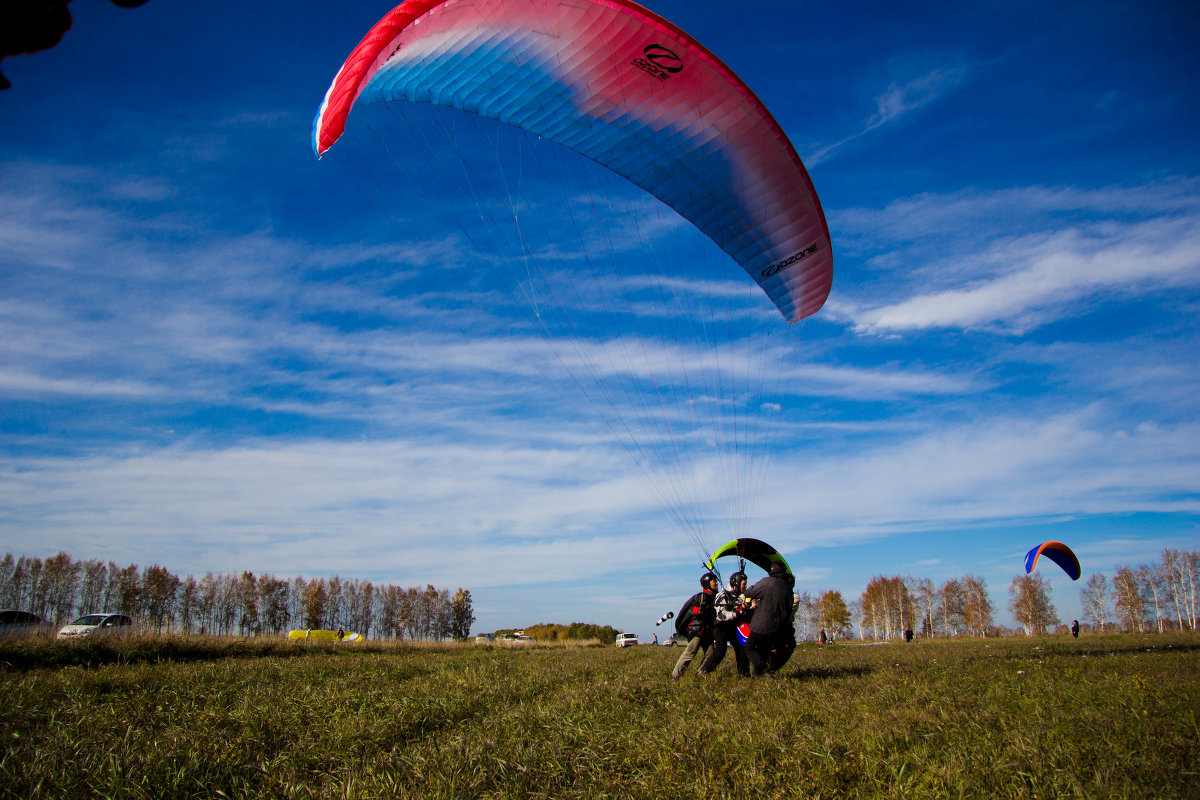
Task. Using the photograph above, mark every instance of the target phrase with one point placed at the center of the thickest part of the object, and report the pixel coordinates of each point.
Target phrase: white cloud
(1046, 267)
(404, 507)
(19, 384)
(486, 514)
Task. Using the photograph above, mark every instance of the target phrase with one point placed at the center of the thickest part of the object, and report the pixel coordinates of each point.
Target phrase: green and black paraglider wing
(756, 551)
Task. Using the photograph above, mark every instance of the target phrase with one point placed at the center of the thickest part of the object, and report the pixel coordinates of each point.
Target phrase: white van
(626, 639)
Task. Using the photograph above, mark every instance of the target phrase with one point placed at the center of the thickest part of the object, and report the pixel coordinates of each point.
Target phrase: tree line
(1144, 598)
(576, 631)
(890, 607)
(59, 588)
(1148, 597)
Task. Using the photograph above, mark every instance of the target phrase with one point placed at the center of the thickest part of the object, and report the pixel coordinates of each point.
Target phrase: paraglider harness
(697, 615)
(690, 621)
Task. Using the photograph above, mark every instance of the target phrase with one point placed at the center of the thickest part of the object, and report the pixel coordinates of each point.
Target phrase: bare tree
(461, 615)
(367, 620)
(951, 601)
(855, 609)
(336, 609)
(1031, 606)
(112, 589)
(316, 604)
(835, 616)
(925, 596)
(806, 618)
(8, 597)
(1179, 570)
(60, 575)
(360, 605)
(296, 605)
(1186, 564)
(226, 608)
(273, 600)
(95, 579)
(25, 574)
(247, 601)
(410, 613)
(432, 624)
(887, 606)
(18, 580)
(389, 612)
(976, 606)
(128, 589)
(1129, 602)
(874, 607)
(159, 588)
(1094, 599)
(189, 596)
(36, 587)
(209, 596)
(1150, 579)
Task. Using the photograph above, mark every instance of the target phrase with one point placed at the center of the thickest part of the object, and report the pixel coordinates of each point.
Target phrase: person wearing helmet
(695, 621)
(773, 610)
(732, 609)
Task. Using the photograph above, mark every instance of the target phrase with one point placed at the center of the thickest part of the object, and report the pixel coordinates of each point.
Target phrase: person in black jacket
(770, 622)
(695, 621)
(732, 609)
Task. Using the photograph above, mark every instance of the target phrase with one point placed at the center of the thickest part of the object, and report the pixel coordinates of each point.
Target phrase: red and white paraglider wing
(629, 90)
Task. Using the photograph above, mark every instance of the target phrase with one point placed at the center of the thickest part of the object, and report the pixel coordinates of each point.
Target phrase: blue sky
(213, 357)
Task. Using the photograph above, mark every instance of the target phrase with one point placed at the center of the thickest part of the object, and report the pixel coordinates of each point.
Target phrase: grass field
(1101, 717)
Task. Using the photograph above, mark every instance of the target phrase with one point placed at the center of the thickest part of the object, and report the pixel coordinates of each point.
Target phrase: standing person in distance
(732, 609)
(772, 598)
(695, 621)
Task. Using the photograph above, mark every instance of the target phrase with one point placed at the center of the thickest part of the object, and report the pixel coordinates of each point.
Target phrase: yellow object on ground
(324, 635)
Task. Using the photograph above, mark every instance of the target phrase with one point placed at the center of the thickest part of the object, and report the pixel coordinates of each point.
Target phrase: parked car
(485, 640)
(515, 640)
(675, 639)
(626, 639)
(97, 624)
(22, 623)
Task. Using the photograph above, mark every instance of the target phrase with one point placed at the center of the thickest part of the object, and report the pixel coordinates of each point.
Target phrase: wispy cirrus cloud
(899, 100)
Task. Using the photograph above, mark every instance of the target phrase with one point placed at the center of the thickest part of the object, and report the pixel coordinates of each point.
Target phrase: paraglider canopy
(756, 551)
(625, 88)
(1057, 552)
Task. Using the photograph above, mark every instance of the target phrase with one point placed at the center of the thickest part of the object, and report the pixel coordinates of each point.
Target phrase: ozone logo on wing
(792, 259)
(658, 62)
(664, 59)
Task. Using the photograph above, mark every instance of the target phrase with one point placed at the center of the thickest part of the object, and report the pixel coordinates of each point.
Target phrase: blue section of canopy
(692, 177)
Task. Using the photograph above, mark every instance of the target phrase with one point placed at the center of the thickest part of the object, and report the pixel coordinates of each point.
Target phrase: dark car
(22, 623)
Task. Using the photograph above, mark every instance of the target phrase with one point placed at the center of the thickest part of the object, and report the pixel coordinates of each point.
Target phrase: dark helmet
(737, 578)
(708, 578)
(777, 568)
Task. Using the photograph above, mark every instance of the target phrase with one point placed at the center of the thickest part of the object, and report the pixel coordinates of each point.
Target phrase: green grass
(1042, 718)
